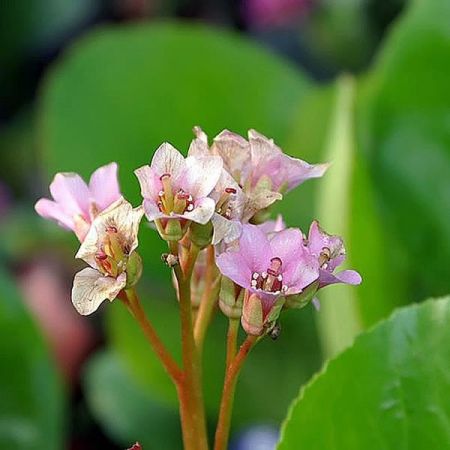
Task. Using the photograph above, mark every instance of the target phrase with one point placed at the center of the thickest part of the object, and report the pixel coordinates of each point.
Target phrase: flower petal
(199, 145)
(273, 226)
(286, 245)
(234, 266)
(234, 150)
(225, 230)
(104, 185)
(91, 288)
(70, 190)
(257, 200)
(346, 276)
(201, 175)
(152, 211)
(297, 171)
(52, 210)
(202, 212)
(167, 159)
(149, 181)
(255, 248)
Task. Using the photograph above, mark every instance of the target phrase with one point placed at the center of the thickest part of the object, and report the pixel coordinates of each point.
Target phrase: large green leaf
(31, 397)
(127, 412)
(388, 391)
(403, 128)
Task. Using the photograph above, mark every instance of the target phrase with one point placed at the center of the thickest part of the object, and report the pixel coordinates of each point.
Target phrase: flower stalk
(232, 372)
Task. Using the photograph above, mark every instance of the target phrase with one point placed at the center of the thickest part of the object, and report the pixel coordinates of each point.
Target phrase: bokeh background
(361, 83)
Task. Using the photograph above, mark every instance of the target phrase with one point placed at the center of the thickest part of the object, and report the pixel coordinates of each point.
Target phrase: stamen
(111, 229)
(324, 257)
(230, 190)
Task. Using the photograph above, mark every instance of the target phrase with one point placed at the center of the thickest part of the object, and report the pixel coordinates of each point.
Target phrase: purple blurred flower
(76, 204)
(274, 12)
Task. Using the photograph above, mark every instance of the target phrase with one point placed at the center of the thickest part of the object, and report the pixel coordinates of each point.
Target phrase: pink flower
(175, 187)
(273, 226)
(76, 204)
(109, 248)
(274, 169)
(330, 253)
(269, 268)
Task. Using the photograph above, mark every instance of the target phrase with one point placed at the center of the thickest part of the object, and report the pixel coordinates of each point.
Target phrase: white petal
(202, 212)
(225, 229)
(257, 200)
(167, 159)
(91, 288)
(201, 175)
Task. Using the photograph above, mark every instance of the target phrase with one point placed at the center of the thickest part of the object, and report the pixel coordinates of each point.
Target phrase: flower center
(271, 280)
(112, 256)
(170, 203)
(223, 206)
(324, 257)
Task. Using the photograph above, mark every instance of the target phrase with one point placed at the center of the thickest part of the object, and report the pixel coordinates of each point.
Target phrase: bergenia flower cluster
(213, 208)
(222, 192)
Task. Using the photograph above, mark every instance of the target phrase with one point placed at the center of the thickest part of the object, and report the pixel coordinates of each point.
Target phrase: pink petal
(72, 193)
(104, 185)
(297, 171)
(255, 248)
(234, 266)
(52, 210)
(149, 181)
(346, 276)
(152, 211)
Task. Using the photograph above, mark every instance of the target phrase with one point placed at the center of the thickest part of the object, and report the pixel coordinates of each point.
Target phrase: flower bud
(201, 235)
(170, 230)
(302, 299)
(134, 269)
(231, 298)
(258, 317)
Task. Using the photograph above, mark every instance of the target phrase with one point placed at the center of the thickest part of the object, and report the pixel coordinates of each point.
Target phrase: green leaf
(31, 406)
(403, 130)
(126, 412)
(388, 391)
(120, 92)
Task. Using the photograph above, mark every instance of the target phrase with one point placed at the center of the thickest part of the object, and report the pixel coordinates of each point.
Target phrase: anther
(230, 190)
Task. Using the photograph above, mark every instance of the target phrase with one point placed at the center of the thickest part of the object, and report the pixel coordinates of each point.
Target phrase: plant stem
(229, 387)
(233, 330)
(190, 392)
(208, 300)
(131, 300)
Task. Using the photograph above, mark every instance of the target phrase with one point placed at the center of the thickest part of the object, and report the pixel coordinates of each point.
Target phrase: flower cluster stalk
(232, 372)
(190, 392)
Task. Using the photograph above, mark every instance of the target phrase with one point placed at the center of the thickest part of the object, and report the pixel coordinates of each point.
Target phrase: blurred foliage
(128, 413)
(389, 390)
(31, 406)
(403, 132)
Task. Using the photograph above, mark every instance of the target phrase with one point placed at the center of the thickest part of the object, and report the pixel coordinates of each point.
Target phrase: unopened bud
(170, 229)
(231, 298)
(201, 235)
(134, 269)
(299, 301)
(252, 315)
(136, 446)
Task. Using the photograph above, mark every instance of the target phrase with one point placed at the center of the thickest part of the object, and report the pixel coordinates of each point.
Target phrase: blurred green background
(363, 84)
